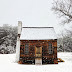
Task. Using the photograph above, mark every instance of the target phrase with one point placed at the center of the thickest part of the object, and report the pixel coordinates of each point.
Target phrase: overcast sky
(30, 12)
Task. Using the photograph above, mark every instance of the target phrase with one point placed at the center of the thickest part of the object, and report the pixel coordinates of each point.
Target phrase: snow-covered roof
(38, 33)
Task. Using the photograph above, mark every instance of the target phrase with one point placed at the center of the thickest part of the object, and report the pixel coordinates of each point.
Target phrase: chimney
(19, 27)
(18, 41)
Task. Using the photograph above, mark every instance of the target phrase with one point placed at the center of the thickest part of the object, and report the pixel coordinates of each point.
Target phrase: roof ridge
(37, 27)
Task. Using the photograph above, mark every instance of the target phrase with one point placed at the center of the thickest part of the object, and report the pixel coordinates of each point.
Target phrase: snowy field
(7, 64)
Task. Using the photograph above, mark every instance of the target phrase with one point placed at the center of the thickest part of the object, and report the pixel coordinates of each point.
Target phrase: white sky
(30, 12)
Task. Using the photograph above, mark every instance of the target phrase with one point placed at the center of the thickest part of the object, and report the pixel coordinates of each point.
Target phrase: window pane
(26, 48)
(37, 50)
(50, 48)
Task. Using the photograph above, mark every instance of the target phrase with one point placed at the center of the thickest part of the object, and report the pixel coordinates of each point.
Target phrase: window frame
(26, 51)
(50, 48)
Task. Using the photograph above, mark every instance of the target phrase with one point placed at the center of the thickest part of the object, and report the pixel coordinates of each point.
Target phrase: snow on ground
(7, 64)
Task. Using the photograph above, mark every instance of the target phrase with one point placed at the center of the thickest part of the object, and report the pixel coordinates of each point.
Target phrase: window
(38, 50)
(26, 48)
(22, 49)
(50, 48)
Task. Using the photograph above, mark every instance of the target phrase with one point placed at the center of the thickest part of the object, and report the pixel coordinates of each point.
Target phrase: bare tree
(64, 9)
(69, 32)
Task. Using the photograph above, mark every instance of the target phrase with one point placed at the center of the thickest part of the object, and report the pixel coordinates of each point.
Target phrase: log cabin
(36, 45)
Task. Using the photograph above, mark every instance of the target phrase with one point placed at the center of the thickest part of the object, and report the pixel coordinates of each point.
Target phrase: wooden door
(38, 52)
